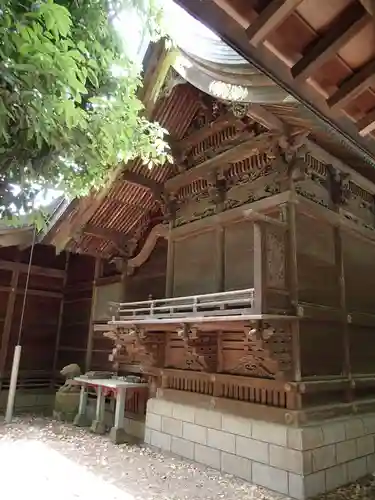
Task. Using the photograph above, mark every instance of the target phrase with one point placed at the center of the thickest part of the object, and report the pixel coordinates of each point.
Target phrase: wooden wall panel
(362, 349)
(149, 279)
(105, 294)
(195, 264)
(359, 266)
(76, 311)
(239, 256)
(317, 274)
(322, 348)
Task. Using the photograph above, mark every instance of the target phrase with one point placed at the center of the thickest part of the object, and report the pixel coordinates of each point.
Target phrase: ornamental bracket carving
(137, 345)
(267, 352)
(194, 360)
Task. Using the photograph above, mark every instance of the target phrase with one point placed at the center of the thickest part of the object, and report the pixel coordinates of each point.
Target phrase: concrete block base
(98, 427)
(299, 462)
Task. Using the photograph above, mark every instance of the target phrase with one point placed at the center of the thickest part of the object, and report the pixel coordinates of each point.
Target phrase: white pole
(13, 383)
(18, 348)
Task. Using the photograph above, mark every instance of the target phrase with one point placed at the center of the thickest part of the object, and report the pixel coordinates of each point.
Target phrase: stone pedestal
(300, 462)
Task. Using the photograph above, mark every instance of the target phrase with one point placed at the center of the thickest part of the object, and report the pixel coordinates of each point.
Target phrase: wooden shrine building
(240, 276)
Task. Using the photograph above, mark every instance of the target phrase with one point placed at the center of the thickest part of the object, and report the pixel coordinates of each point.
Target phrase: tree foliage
(69, 111)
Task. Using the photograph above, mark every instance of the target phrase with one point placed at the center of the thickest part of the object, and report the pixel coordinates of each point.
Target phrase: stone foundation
(299, 462)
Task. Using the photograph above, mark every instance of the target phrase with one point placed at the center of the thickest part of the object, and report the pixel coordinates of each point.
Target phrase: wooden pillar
(8, 323)
(220, 258)
(59, 324)
(170, 263)
(90, 337)
(124, 280)
(292, 276)
(260, 268)
(340, 273)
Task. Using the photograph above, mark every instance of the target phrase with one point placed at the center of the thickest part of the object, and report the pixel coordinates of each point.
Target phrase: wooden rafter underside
(323, 56)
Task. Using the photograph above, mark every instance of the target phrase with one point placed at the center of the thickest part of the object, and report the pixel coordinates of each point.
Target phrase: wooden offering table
(105, 388)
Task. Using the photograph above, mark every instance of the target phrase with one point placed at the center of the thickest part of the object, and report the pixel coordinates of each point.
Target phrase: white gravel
(41, 459)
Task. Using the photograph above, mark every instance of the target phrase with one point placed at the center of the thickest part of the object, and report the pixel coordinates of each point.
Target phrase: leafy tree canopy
(69, 111)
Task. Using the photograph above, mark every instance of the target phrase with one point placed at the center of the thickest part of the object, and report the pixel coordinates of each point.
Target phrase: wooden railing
(237, 303)
(250, 390)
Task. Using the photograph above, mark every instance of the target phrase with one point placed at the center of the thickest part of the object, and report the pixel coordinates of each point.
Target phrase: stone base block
(299, 462)
(98, 427)
(120, 436)
(81, 421)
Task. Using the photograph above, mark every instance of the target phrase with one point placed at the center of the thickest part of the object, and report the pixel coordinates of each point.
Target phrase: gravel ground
(41, 459)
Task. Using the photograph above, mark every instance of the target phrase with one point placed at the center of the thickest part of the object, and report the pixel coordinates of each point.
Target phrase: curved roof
(209, 64)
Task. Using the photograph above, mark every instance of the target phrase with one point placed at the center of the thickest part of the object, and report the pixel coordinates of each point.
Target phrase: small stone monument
(67, 397)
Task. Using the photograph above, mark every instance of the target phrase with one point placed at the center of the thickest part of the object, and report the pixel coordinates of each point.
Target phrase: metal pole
(18, 348)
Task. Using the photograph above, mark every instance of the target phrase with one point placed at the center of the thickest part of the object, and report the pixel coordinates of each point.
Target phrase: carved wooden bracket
(338, 185)
(140, 346)
(198, 351)
(267, 352)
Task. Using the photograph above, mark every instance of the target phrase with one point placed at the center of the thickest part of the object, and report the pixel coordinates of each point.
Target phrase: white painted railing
(229, 304)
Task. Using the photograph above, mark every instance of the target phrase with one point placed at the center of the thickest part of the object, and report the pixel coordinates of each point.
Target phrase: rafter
(270, 19)
(236, 10)
(351, 21)
(367, 124)
(353, 86)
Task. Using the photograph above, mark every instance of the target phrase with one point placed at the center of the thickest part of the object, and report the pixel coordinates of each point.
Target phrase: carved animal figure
(70, 372)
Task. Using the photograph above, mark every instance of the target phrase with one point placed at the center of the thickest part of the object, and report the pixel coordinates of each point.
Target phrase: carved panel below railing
(245, 389)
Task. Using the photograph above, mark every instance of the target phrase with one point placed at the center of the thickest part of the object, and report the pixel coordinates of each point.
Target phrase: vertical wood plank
(90, 337)
(59, 324)
(124, 281)
(8, 323)
(292, 276)
(260, 268)
(220, 258)
(170, 263)
(340, 273)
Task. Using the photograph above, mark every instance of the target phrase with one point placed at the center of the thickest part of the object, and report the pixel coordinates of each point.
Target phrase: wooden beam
(40, 293)
(59, 324)
(270, 19)
(117, 237)
(351, 21)
(258, 217)
(223, 160)
(8, 323)
(367, 124)
(353, 86)
(231, 8)
(140, 180)
(23, 268)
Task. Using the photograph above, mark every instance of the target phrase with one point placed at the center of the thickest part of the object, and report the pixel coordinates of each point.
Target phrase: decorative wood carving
(359, 206)
(241, 178)
(199, 350)
(338, 185)
(275, 244)
(267, 352)
(140, 346)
